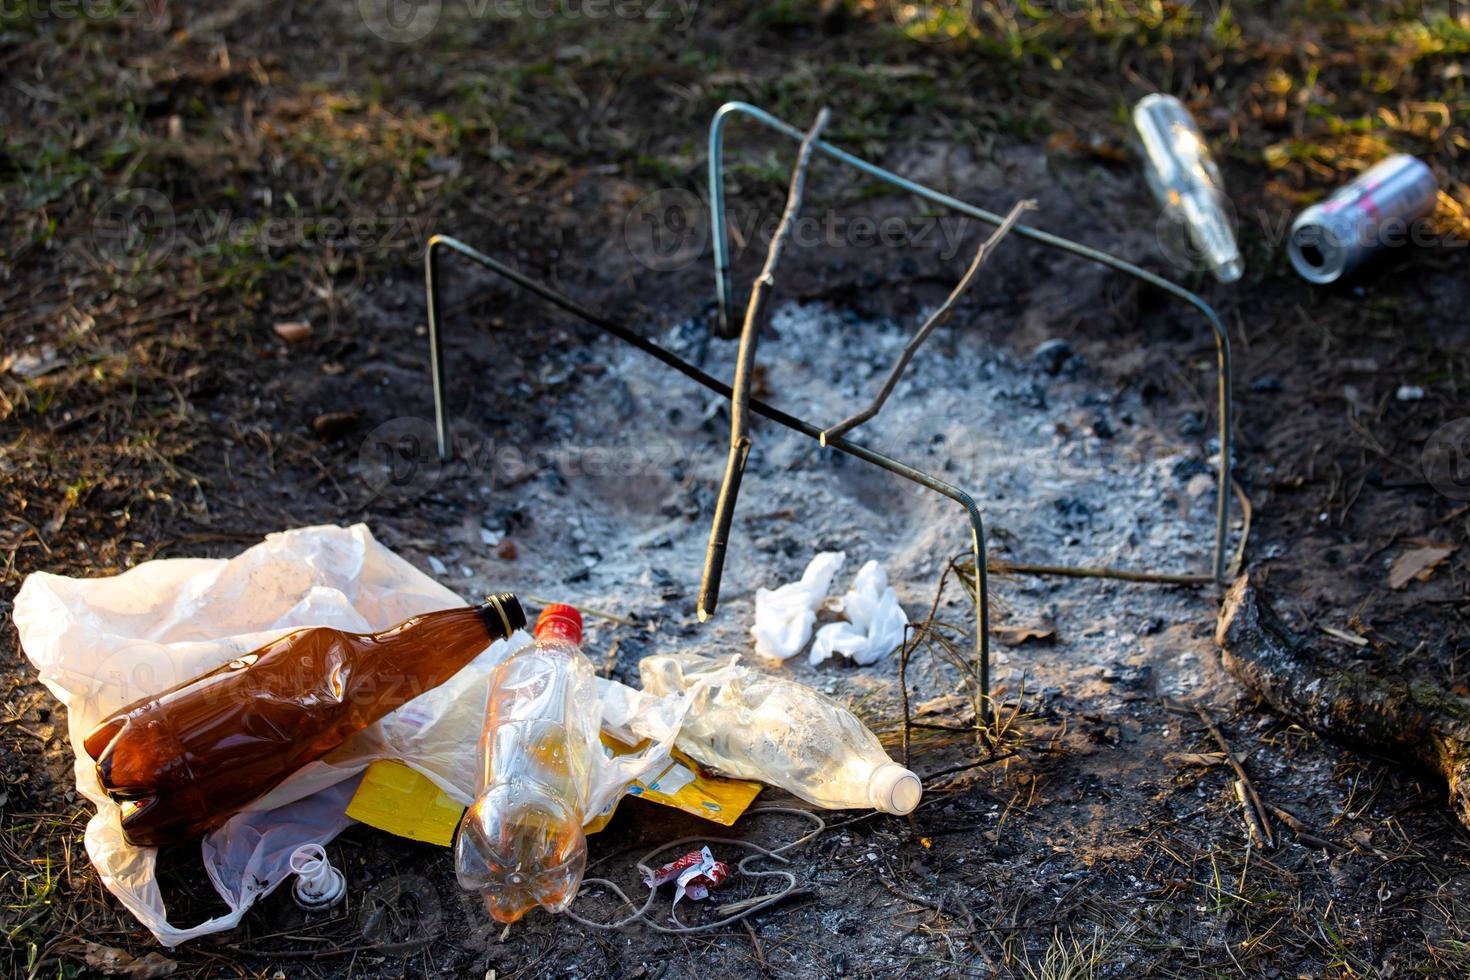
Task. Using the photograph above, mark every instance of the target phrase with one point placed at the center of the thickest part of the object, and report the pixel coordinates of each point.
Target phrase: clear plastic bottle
(1185, 181)
(756, 725)
(521, 842)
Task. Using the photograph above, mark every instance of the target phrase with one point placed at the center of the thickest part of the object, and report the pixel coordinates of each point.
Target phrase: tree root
(1410, 721)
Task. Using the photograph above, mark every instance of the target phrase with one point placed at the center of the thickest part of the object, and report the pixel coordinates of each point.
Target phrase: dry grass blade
(1257, 822)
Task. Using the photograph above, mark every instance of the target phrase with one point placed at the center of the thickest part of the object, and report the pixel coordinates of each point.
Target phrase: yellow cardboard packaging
(405, 802)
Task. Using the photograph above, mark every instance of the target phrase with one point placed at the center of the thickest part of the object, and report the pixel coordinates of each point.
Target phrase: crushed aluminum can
(694, 874)
(1332, 238)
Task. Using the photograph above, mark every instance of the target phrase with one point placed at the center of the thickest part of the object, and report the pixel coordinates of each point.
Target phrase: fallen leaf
(1014, 636)
(115, 962)
(1418, 563)
(292, 332)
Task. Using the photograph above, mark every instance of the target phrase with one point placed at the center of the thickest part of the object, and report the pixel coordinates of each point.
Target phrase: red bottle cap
(559, 622)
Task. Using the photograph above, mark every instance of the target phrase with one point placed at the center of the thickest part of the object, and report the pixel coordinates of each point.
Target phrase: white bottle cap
(319, 886)
(894, 789)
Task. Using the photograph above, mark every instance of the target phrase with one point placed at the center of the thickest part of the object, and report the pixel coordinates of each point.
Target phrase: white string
(645, 867)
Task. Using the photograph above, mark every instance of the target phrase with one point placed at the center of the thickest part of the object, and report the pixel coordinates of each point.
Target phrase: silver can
(1330, 239)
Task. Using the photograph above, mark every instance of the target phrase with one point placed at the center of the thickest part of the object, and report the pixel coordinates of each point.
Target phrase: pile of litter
(199, 629)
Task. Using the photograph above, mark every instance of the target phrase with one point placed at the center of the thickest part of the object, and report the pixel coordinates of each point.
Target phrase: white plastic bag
(101, 644)
(784, 616)
(875, 621)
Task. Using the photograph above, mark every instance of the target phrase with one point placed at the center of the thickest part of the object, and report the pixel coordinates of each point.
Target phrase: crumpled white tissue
(784, 616)
(875, 621)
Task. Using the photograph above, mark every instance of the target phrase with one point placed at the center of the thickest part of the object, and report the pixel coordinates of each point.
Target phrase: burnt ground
(149, 409)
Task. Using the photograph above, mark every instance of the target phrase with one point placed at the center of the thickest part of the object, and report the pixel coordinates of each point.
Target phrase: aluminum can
(1332, 238)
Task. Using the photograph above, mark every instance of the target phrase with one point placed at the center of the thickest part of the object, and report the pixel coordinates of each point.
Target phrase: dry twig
(939, 316)
(714, 562)
(1256, 821)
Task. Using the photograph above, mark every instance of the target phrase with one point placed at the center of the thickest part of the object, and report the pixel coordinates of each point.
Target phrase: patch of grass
(1076, 957)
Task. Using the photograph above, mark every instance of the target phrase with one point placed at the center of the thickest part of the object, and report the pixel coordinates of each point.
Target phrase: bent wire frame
(623, 333)
(720, 236)
(981, 676)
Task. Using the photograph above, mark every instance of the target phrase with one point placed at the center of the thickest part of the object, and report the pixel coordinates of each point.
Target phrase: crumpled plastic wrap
(875, 621)
(101, 644)
(784, 616)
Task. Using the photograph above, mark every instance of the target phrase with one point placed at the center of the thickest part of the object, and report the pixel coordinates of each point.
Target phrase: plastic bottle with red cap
(521, 842)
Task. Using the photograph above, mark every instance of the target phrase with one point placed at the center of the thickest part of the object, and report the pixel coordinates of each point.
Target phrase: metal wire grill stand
(980, 679)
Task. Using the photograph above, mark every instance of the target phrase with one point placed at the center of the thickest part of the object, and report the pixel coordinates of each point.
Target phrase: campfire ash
(1067, 472)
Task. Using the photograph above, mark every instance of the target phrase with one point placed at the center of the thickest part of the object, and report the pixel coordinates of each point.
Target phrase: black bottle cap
(504, 611)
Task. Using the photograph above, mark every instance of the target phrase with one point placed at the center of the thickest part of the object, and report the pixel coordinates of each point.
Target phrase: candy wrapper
(694, 874)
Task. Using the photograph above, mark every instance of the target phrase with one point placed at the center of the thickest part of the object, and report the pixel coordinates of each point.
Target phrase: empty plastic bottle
(521, 842)
(1185, 181)
(759, 726)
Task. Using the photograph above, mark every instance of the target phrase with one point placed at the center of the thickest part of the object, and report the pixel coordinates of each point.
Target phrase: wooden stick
(939, 316)
(1100, 571)
(1256, 820)
(1303, 834)
(755, 311)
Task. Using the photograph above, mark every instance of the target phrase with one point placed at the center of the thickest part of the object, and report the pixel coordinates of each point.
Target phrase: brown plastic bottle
(182, 762)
